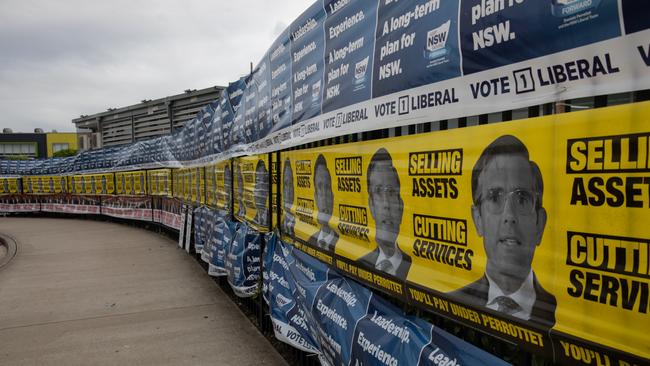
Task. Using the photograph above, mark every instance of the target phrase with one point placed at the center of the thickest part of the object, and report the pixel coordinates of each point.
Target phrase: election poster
(251, 190)
(261, 81)
(186, 176)
(416, 44)
(131, 183)
(29, 184)
(198, 185)
(223, 233)
(349, 44)
(498, 33)
(515, 228)
(159, 182)
(319, 311)
(98, 184)
(210, 185)
(307, 46)
(223, 186)
(182, 183)
(177, 183)
(434, 60)
(243, 262)
(280, 64)
(9, 185)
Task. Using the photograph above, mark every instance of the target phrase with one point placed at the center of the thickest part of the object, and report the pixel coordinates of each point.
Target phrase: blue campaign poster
(498, 33)
(227, 116)
(243, 261)
(416, 44)
(349, 44)
(386, 336)
(246, 117)
(307, 47)
(235, 92)
(290, 322)
(280, 65)
(223, 232)
(337, 308)
(214, 133)
(262, 80)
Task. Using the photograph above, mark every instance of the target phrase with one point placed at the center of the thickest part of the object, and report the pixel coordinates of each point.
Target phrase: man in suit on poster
(325, 238)
(288, 219)
(386, 207)
(507, 190)
(241, 211)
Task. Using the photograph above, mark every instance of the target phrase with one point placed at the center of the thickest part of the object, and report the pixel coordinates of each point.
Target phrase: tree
(64, 153)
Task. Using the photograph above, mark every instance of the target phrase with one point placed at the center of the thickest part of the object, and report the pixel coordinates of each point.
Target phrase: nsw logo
(315, 91)
(360, 70)
(282, 300)
(437, 40)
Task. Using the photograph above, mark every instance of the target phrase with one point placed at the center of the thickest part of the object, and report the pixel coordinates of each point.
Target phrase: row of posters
(523, 229)
(348, 66)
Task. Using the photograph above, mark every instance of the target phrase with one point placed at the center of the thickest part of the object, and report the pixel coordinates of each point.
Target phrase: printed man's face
(385, 202)
(287, 188)
(324, 195)
(261, 188)
(511, 236)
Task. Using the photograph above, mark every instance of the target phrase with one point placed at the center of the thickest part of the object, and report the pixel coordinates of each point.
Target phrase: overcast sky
(61, 59)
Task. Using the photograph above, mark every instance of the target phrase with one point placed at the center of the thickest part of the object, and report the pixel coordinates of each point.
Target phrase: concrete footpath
(96, 293)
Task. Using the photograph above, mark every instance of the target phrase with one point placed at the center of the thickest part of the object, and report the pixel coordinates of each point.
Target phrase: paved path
(95, 293)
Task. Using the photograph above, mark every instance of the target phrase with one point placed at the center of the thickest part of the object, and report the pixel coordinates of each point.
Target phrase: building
(150, 118)
(35, 145)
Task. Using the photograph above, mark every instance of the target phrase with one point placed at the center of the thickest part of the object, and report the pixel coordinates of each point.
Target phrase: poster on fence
(131, 183)
(223, 186)
(515, 228)
(9, 185)
(159, 182)
(251, 190)
(355, 66)
(197, 190)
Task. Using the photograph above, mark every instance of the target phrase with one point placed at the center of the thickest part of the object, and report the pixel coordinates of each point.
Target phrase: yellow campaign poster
(223, 185)
(210, 186)
(100, 184)
(30, 184)
(158, 182)
(131, 183)
(197, 189)
(177, 188)
(187, 184)
(515, 227)
(79, 184)
(60, 184)
(140, 180)
(49, 184)
(251, 179)
(9, 185)
(71, 184)
(35, 184)
(45, 184)
(120, 183)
